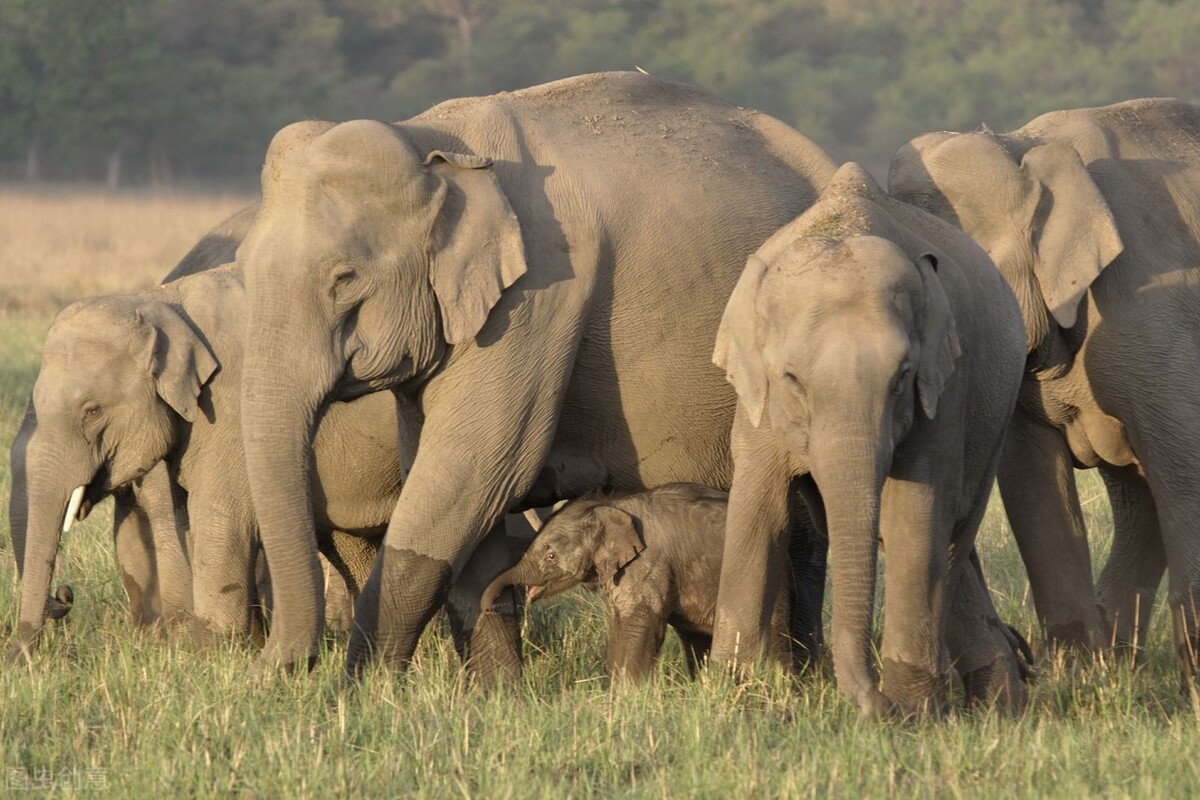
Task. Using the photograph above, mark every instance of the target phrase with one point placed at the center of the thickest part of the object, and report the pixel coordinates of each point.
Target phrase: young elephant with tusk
(656, 556)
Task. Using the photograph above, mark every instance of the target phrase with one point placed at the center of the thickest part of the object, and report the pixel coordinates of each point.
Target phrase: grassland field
(105, 709)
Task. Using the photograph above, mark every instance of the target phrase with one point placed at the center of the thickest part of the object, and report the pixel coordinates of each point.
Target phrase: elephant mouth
(546, 590)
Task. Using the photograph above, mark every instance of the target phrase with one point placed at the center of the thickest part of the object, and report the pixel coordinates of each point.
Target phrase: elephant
(163, 369)
(656, 556)
(137, 397)
(542, 271)
(876, 353)
(1093, 217)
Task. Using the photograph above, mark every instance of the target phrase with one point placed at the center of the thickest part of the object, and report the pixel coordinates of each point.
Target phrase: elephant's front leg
(808, 551)
(135, 559)
(1037, 484)
(755, 554)
(979, 646)
(634, 640)
(164, 503)
(1131, 576)
(223, 563)
(476, 460)
(916, 538)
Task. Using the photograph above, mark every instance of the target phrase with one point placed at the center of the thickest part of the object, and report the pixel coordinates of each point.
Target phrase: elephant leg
(979, 644)
(135, 559)
(634, 642)
(165, 504)
(339, 601)
(346, 561)
(1130, 579)
(1172, 472)
(1037, 484)
(755, 549)
(808, 550)
(915, 570)
(224, 564)
(696, 647)
(489, 640)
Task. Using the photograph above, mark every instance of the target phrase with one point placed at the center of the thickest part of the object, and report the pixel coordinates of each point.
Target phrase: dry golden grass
(57, 246)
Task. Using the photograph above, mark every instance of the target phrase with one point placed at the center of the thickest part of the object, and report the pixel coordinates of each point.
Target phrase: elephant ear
(1075, 235)
(476, 248)
(738, 349)
(619, 542)
(180, 363)
(939, 338)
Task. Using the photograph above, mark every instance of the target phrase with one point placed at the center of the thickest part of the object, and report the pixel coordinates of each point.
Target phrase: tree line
(157, 91)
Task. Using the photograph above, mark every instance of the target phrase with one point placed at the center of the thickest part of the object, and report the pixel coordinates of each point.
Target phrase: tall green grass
(105, 708)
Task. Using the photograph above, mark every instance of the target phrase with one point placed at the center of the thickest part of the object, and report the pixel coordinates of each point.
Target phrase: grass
(108, 708)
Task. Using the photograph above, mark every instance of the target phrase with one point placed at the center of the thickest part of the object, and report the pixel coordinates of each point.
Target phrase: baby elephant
(657, 557)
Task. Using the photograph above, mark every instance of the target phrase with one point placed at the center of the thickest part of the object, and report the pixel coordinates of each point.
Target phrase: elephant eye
(91, 411)
(341, 282)
(551, 555)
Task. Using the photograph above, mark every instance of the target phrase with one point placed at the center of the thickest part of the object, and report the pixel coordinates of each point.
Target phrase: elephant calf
(876, 352)
(656, 555)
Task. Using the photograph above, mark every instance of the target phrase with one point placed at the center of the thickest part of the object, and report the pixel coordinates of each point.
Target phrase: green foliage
(197, 87)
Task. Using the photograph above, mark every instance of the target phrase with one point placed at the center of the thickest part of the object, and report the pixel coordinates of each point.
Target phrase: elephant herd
(612, 283)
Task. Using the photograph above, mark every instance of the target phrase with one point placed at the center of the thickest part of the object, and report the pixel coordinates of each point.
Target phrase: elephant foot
(402, 594)
(20, 650)
(996, 685)
(1075, 637)
(874, 705)
(915, 691)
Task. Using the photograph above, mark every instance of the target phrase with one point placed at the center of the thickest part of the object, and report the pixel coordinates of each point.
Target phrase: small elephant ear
(476, 248)
(1075, 235)
(940, 348)
(737, 349)
(619, 542)
(180, 363)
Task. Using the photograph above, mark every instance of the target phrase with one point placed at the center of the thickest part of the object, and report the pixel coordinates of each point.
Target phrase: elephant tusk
(73, 508)
(531, 516)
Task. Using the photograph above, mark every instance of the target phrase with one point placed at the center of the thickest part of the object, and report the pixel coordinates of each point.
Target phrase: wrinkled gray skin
(876, 349)
(543, 272)
(185, 525)
(141, 559)
(162, 369)
(1093, 216)
(656, 555)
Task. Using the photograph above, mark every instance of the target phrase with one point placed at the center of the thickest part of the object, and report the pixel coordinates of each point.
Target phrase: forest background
(134, 92)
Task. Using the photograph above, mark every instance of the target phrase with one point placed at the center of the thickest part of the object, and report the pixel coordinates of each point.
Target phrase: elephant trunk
(525, 573)
(849, 469)
(50, 492)
(279, 403)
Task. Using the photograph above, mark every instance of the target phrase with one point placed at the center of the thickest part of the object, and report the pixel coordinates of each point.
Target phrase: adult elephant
(543, 272)
(1093, 217)
(137, 396)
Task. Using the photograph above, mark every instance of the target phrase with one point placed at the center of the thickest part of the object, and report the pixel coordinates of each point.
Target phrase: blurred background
(183, 92)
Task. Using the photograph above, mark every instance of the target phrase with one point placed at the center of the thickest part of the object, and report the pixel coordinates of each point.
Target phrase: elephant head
(1035, 210)
(368, 262)
(586, 541)
(840, 345)
(118, 374)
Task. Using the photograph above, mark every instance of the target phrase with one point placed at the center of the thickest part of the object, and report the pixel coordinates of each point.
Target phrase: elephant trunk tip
(61, 603)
